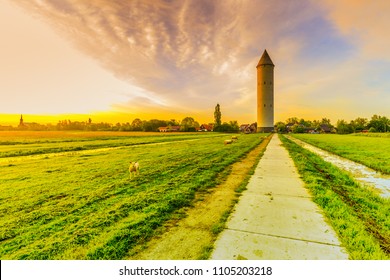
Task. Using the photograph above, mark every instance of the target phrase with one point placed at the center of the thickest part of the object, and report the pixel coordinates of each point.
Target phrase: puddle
(361, 173)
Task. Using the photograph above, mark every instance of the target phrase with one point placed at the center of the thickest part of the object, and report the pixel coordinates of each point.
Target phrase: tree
(281, 127)
(188, 124)
(359, 124)
(153, 125)
(217, 117)
(298, 128)
(172, 122)
(326, 121)
(136, 125)
(307, 124)
(234, 127)
(343, 127)
(292, 120)
(381, 124)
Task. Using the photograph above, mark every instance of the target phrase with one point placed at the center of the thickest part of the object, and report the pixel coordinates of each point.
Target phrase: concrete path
(275, 218)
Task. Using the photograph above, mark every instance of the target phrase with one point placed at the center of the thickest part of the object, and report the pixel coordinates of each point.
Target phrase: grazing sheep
(134, 168)
(228, 142)
(235, 138)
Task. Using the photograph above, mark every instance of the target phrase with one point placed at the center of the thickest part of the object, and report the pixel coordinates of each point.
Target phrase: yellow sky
(115, 61)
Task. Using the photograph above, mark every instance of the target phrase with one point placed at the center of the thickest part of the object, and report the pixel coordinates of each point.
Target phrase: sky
(115, 61)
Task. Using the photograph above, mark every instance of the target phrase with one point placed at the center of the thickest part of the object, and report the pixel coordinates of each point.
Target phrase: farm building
(172, 128)
(248, 128)
(324, 128)
(206, 127)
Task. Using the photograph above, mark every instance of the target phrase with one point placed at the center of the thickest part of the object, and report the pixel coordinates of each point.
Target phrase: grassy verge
(360, 217)
(373, 152)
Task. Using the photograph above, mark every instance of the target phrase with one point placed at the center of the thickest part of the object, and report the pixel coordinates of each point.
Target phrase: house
(243, 127)
(206, 127)
(174, 128)
(289, 127)
(248, 128)
(324, 128)
(171, 128)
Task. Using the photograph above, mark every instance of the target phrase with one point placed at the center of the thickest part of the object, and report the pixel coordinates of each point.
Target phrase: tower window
(264, 82)
(264, 105)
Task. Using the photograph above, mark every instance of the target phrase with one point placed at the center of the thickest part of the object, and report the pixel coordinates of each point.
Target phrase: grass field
(371, 151)
(360, 217)
(84, 205)
(35, 143)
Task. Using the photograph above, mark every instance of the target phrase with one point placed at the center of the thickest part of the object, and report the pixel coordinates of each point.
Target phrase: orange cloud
(365, 23)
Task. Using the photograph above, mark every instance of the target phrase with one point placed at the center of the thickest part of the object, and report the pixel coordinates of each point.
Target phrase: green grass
(84, 206)
(373, 134)
(373, 152)
(360, 217)
(44, 146)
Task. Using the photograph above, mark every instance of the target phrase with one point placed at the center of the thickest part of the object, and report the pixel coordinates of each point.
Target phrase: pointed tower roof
(265, 60)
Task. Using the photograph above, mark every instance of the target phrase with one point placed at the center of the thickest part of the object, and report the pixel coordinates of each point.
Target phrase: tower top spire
(265, 60)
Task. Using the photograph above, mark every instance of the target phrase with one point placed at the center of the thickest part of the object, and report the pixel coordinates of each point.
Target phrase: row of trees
(375, 124)
(187, 124)
(295, 125)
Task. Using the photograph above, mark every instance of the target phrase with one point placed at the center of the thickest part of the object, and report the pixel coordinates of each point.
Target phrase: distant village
(188, 124)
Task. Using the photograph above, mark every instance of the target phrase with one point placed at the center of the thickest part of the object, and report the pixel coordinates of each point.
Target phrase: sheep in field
(228, 142)
(134, 168)
(234, 138)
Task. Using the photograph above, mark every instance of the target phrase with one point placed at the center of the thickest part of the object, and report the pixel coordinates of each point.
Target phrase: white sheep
(234, 138)
(134, 168)
(228, 142)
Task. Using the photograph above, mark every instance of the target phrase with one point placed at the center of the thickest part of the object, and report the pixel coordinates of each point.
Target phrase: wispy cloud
(188, 55)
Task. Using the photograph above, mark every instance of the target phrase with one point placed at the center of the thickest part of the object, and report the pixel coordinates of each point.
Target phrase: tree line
(186, 125)
(377, 123)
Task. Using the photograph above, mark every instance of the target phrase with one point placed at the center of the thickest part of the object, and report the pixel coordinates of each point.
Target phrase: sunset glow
(115, 61)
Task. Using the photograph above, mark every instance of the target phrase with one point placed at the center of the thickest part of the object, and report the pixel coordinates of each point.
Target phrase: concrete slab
(284, 216)
(284, 187)
(275, 217)
(236, 245)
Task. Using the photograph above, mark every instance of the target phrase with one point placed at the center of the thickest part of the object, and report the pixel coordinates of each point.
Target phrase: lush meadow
(360, 217)
(37, 143)
(372, 150)
(83, 205)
